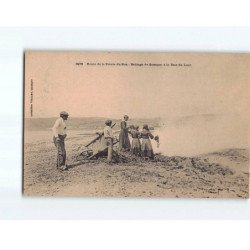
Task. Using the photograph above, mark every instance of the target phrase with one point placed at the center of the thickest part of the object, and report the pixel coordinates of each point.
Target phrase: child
(135, 145)
(146, 146)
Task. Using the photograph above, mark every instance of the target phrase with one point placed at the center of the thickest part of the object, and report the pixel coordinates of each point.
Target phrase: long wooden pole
(98, 137)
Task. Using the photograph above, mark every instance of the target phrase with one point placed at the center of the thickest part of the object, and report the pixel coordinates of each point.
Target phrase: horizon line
(102, 117)
(108, 117)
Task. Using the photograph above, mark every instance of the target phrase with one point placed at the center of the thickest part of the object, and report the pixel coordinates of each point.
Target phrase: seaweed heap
(173, 162)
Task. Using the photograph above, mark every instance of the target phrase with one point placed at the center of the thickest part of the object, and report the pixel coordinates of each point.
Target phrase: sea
(179, 136)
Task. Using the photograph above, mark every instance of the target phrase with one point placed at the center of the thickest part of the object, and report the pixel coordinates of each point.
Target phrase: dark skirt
(146, 148)
(136, 146)
(124, 142)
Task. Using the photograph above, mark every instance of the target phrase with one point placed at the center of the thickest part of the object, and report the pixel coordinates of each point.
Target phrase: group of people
(140, 144)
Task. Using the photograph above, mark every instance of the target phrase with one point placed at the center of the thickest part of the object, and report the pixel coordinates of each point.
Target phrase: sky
(87, 84)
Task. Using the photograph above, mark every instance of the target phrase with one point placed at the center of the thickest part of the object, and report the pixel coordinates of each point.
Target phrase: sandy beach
(220, 174)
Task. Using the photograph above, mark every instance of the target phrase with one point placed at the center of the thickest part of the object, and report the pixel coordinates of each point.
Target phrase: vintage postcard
(136, 124)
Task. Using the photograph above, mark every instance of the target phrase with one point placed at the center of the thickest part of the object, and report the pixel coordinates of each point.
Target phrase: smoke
(194, 135)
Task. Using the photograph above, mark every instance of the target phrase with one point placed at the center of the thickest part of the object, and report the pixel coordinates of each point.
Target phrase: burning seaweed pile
(173, 162)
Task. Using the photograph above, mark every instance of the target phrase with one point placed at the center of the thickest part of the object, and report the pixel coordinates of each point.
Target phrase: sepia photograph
(136, 124)
(124, 124)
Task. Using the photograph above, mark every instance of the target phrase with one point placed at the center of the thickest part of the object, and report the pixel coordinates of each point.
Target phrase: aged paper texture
(136, 124)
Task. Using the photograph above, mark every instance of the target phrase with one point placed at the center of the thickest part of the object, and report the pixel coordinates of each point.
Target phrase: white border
(124, 235)
(13, 41)
(124, 13)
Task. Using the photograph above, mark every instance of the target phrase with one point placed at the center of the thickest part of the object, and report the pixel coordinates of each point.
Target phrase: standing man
(109, 137)
(124, 143)
(60, 132)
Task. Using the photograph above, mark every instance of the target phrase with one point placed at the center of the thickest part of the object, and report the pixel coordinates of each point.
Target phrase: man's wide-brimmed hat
(64, 113)
(108, 122)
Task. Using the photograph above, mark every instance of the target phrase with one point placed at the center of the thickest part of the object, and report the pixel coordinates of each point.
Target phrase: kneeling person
(109, 137)
(60, 132)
